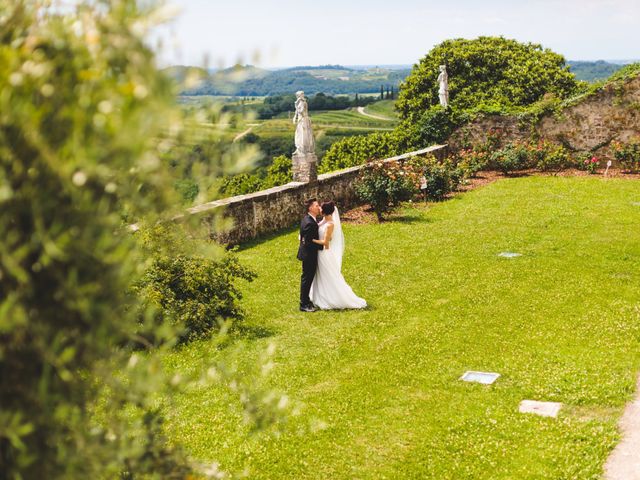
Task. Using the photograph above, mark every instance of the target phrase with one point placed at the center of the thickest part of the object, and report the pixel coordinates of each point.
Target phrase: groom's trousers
(309, 267)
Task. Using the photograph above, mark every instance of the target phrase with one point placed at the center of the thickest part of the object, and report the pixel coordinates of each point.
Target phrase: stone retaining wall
(281, 207)
(612, 113)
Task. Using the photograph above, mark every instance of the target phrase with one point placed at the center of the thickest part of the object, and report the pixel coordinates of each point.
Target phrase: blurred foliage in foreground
(85, 121)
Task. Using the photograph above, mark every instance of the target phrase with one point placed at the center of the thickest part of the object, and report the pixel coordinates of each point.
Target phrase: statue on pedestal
(304, 158)
(443, 91)
(305, 142)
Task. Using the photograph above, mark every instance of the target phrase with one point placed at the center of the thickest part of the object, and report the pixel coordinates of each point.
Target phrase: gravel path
(624, 461)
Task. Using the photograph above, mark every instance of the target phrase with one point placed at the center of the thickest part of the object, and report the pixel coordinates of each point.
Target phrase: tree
(489, 72)
(85, 119)
(381, 92)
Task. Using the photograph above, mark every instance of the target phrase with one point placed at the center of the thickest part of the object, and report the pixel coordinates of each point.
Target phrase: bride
(329, 289)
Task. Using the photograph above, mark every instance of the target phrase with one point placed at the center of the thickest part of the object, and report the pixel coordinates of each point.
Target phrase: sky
(281, 33)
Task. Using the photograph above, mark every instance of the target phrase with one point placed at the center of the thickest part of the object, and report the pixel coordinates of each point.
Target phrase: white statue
(443, 92)
(305, 142)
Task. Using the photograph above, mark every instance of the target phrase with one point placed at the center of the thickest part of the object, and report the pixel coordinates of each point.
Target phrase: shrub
(280, 172)
(592, 164)
(586, 161)
(187, 188)
(81, 121)
(357, 150)
(457, 174)
(85, 118)
(511, 158)
(193, 292)
(628, 154)
(384, 185)
(436, 179)
(548, 157)
(435, 126)
(471, 161)
(240, 184)
(580, 160)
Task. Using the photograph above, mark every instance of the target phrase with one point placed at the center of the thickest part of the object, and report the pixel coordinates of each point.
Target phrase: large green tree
(493, 72)
(85, 122)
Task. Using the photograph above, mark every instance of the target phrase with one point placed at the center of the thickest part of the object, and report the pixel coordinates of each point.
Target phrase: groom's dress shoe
(307, 308)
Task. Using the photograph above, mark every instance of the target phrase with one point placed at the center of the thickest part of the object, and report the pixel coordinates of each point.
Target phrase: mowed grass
(348, 119)
(378, 391)
(383, 108)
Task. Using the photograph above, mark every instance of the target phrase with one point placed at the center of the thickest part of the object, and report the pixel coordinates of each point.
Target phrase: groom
(308, 253)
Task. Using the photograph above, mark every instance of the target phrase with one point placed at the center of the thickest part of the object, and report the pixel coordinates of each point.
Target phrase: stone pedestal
(305, 167)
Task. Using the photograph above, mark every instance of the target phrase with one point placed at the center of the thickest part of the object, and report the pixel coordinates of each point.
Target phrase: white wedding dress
(329, 289)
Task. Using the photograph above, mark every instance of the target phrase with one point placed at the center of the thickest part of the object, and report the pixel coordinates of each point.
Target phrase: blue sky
(277, 33)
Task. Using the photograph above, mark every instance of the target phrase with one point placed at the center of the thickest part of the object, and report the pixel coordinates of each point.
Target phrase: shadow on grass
(266, 238)
(240, 332)
(406, 219)
(251, 332)
(411, 213)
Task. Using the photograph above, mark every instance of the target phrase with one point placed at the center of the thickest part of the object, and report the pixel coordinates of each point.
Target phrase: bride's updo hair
(328, 208)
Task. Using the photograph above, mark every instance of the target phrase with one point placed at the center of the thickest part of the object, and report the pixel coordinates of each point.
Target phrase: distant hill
(593, 71)
(251, 81)
(247, 80)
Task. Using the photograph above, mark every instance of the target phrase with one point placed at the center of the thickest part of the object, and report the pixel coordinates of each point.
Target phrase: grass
(348, 118)
(383, 108)
(342, 120)
(378, 390)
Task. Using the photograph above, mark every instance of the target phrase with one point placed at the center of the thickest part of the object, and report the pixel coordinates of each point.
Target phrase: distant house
(346, 79)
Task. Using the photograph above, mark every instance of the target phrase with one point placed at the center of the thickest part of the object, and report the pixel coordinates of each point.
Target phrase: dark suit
(308, 255)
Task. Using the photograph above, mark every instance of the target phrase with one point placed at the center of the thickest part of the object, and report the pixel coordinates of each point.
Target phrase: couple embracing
(321, 248)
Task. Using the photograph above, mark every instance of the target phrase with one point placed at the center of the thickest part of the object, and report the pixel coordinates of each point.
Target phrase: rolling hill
(247, 80)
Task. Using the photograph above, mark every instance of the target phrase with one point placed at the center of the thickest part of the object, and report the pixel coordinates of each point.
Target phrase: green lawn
(378, 390)
(383, 108)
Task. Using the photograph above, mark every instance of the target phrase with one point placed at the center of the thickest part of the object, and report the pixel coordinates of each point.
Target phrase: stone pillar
(305, 167)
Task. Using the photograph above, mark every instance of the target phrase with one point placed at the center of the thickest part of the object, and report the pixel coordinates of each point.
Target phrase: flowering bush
(472, 160)
(627, 154)
(437, 179)
(548, 156)
(591, 164)
(515, 156)
(384, 185)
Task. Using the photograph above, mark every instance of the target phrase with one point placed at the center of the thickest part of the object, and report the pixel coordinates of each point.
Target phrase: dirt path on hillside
(242, 134)
(371, 115)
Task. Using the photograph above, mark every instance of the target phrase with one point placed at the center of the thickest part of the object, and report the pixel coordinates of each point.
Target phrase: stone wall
(589, 124)
(268, 211)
